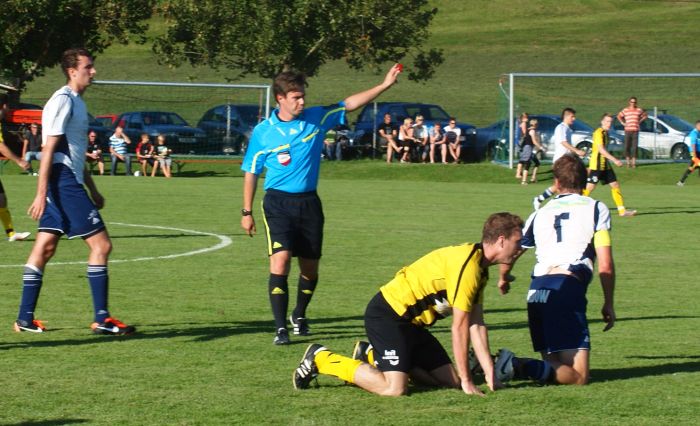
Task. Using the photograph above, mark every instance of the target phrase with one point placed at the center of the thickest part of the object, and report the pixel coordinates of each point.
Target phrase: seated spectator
(31, 147)
(163, 156)
(336, 140)
(145, 154)
(388, 132)
(407, 142)
(437, 141)
(93, 154)
(117, 150)
(452, 134)
(420, 133)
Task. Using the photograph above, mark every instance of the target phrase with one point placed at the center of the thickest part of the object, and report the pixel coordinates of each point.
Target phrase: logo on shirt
(284, 158)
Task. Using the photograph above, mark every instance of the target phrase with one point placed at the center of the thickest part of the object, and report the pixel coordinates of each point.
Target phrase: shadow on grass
(670, 210)
(607, 375)
(56, 422)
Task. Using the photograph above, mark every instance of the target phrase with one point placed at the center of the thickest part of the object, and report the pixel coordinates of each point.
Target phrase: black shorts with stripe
(601, 176)
(294, 222)
(400, 345)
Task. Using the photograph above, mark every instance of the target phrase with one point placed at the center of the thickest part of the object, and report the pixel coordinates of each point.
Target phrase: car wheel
(679, 152)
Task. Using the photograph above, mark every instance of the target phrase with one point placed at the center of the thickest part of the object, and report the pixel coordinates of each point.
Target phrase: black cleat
(281, 337)
(300, 327)
(307, 370)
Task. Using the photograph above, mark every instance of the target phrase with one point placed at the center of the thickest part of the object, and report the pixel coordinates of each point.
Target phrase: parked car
(179, 136)
(107, 120)
(368, 122)
(669, 139)
(495, 136)
(230, 126)
(103, 132)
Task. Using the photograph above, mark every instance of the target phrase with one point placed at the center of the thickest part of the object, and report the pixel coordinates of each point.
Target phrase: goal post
(592, 94)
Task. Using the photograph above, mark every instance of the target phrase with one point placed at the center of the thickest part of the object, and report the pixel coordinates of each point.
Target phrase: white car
(665, 135)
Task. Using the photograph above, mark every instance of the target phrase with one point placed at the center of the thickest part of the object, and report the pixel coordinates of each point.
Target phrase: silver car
(664, 135)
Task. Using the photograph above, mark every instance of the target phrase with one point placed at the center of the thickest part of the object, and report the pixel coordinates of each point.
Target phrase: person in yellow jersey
(599, 169)
(446, 282)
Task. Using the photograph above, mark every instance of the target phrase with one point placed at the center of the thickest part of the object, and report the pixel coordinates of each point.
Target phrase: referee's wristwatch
(245, 212)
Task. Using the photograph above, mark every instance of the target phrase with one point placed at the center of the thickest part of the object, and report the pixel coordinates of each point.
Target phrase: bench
(180, 162)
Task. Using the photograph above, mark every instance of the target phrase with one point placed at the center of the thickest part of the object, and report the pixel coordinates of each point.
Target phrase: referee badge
(284, 158)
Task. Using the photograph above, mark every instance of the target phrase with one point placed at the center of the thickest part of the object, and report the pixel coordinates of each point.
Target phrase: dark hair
(71, 57)
(500, 224)
(288, 81)
(567, 110)
(605, 114)
(570, 172)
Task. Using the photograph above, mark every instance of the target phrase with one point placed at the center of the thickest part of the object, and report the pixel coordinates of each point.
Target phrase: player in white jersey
(562, 146)
(570, 232)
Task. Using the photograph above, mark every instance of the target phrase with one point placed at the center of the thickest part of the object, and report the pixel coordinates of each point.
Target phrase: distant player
(447, 281)
(62, 206)
(289, 146)
(570, 232)
(562, 146)
(694, 153)
(599, 169)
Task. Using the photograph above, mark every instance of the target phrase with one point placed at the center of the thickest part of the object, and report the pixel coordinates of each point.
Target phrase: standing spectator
(437, 140)
(94, 152)
(420, 134)
(388, 134)
(452, 134)
(145, 154)
(406, 140)
(163, 155)
(62, 206)
(288, 145)
(528, 153)
(117, 149)
(631, 117)
(694, 153)
(5, 216)
(31, 146)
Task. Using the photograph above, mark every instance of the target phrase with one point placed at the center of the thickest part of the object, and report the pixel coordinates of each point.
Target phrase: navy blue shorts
(556, 310)
(400, 345)
(294, 222)
(69, 209)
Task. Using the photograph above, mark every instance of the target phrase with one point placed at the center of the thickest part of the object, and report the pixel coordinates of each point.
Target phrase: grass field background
(203, 353)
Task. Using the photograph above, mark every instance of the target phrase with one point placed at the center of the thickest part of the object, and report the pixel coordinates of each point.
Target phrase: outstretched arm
(359, 100)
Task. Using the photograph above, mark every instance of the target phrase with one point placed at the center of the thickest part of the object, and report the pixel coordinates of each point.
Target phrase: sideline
(224, 241)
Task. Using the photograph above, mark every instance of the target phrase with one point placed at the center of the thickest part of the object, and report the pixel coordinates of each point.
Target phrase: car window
(435, 113)
(366, 114)
(546, 124)
(397, 114)
(677, 123)
(648, 126)
(618, 126)
(581, 126)
(412, 111)
(251, 115)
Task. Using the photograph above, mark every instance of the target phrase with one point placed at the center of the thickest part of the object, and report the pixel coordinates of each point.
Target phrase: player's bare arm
(250, 184)
(460, 349)
(7, 152)
(606, 273)
(359, 100)
(97, 198)
(36, 209)
(479, 336)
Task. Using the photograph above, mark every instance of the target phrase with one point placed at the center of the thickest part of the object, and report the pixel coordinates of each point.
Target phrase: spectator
(336, 140)
(521, 132)
(94, 152)
(31, 147)
(452, 134)
(631, 117)
(528, 153)
(420, 133)
(145, 154)
(117, 149)
(388, 132)
(163, 156)
(437, 140)
(406, 140)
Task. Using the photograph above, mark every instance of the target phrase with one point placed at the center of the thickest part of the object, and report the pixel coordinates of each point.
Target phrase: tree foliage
(265, 37)
(34, 33)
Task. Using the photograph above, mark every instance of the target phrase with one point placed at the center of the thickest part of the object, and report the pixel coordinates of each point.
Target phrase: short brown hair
(503, 223)
(71, 57)
(570, 172)
(288, 81)
(566, 111)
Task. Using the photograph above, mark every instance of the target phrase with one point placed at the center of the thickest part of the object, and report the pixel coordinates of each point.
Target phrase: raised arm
(359, 100)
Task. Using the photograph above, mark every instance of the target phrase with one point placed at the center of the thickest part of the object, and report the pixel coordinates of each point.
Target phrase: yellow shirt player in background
(599, 169)
(446, 282)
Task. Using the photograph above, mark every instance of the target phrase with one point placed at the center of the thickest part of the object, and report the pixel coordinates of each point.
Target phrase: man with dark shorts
(447, 281)
(631, 117)
(289, 144)
(62, 206)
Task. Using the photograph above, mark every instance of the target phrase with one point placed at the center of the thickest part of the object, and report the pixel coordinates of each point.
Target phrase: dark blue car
(180, 137)
(231, 125)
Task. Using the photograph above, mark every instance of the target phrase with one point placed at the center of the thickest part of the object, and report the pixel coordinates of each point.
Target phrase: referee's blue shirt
(291, 150)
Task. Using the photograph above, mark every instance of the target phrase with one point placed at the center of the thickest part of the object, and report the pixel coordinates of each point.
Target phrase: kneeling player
(447, 281)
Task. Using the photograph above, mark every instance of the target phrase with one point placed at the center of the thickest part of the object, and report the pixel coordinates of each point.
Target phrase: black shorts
(400, 345)
(601, 176)
(2, 189)
(294, 222)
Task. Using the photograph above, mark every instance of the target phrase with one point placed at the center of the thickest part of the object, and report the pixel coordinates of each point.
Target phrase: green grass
(203, 354)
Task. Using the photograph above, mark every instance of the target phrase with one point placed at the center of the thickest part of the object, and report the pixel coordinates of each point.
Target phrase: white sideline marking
(224, 241)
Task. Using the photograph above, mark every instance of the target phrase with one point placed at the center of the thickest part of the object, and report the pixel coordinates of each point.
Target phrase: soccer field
(203, 353)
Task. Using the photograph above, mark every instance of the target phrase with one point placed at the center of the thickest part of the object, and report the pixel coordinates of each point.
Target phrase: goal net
(670, 100)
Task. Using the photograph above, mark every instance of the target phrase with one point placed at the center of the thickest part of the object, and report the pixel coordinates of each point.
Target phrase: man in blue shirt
(118, 150)
(694, 153)
(289, 144)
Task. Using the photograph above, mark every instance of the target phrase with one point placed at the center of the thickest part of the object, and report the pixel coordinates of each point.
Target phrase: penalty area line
(224, 241)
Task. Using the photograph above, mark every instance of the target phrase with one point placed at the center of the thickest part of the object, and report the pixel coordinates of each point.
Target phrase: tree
(34, 33)
(265, 37)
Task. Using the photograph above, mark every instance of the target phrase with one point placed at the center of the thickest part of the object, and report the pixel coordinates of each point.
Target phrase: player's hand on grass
(470, 388)
(608, 316)
(504, 283)
(248, 224)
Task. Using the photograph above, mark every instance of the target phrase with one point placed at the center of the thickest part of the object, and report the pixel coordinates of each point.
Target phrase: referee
(289, 144)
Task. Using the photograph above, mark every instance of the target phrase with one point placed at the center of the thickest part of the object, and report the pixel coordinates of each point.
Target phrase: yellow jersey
(598, 161)
(429, 288)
